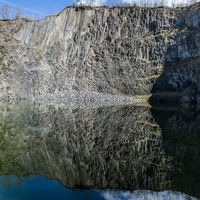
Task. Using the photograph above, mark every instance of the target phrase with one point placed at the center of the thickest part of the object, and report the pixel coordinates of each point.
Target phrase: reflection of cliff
(116, 147)
(181, 135)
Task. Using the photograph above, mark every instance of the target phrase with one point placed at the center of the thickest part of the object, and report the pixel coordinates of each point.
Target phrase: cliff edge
(124, 51)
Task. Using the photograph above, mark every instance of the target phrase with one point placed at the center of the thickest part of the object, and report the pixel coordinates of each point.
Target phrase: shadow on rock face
(179, 83)
(181, 139)
(108, 147)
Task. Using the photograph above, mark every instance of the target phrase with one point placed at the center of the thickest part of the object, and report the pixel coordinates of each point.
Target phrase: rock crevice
(119, 51)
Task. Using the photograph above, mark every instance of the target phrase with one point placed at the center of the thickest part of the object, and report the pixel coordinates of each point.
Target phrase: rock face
(118, 51)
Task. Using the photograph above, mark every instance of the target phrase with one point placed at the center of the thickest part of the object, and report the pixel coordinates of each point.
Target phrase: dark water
(74, 152)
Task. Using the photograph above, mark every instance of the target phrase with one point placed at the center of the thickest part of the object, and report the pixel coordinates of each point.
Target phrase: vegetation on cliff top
(9, 11)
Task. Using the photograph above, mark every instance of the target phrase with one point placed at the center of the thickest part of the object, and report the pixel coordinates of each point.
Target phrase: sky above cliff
(42, 8)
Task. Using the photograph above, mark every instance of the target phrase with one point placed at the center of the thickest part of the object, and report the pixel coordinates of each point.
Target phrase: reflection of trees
(19, 183)
(144, 194)
(12, 181)
(9, 181)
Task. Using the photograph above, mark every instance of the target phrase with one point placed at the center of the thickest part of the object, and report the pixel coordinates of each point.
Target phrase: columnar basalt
(119, 51)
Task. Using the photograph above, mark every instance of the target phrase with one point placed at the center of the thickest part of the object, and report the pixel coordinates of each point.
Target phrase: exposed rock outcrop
(119, 51)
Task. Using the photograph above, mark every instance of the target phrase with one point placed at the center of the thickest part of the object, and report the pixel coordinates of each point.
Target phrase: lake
(89, 152)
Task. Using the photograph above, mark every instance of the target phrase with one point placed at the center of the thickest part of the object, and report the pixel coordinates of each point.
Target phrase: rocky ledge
(119, 51)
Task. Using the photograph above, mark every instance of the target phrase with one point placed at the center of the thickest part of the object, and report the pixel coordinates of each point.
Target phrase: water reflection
(41, 188)
(109, 147)
(145, 195)
(37, 187)
(181, 139)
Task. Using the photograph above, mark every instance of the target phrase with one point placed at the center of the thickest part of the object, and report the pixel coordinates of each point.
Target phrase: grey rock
(111, 51)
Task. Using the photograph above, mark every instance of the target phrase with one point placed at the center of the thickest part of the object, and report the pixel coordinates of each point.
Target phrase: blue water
(40, 188)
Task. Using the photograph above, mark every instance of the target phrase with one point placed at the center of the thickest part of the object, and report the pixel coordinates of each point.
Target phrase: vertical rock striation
(98, 49)
(120, 51)
(116, 147)
(108, 147)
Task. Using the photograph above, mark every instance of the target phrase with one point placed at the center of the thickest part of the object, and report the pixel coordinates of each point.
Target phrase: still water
(117, 152)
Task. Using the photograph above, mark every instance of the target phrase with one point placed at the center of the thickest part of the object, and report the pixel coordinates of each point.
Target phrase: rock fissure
(116, 51)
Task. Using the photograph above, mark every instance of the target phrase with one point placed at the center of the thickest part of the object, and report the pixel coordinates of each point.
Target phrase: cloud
(24, 8)
(144, 195)
(92, 2)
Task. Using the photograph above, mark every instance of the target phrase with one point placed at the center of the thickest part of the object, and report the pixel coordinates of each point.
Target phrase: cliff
(117, 51)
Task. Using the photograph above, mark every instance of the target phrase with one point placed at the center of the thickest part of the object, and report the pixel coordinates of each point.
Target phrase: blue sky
(43, 8)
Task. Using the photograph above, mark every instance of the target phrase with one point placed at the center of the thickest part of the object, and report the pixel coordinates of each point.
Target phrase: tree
(146, 3)
(163, 2)
(5, 11)
(8, 12)
(31, 15)
(102, 3)
(193, 1)
(89, 2)
(174, 3)
(18, 12)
